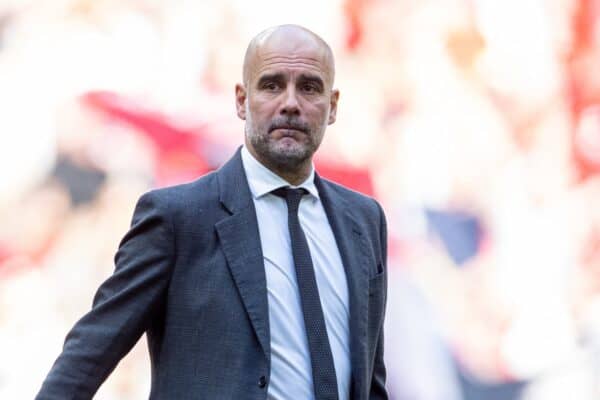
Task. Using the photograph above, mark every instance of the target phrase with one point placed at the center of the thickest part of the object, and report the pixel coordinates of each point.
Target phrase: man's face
(287, 101)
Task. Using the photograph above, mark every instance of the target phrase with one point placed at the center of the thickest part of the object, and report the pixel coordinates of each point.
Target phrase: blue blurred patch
(459, 231)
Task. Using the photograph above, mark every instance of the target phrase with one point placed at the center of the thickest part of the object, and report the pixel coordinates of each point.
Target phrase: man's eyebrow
(312, 78)
(276, 77)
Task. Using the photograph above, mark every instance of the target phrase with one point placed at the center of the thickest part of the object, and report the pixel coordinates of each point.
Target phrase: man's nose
(290, 104)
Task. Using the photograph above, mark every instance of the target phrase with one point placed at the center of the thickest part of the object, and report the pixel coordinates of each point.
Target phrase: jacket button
(262, 382)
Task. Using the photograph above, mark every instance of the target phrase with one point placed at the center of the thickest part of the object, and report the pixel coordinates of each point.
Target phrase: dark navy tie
(323, 369)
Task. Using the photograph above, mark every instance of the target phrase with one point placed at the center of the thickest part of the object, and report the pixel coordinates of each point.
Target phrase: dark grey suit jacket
(190, 274)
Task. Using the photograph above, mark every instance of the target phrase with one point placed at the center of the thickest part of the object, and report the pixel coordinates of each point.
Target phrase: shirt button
(262, 382)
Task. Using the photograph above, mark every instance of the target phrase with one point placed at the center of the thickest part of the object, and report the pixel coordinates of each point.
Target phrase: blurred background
(476, 123)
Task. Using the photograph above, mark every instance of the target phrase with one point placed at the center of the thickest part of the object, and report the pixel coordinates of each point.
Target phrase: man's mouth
(288, 130)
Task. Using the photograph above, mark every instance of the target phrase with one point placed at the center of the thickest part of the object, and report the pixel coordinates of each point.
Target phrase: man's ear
(240, 101)
(333, 100)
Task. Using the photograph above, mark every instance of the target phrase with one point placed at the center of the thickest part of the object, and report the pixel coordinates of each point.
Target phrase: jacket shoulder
(357, 200)
(180, 197)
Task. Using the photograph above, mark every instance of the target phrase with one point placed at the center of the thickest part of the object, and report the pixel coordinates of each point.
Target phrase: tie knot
(291, 196)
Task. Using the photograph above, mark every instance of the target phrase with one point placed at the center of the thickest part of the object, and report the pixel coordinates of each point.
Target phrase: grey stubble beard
(287, 160)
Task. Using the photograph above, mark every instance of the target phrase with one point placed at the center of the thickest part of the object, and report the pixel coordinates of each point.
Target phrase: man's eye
(310, 88)
(270, 86)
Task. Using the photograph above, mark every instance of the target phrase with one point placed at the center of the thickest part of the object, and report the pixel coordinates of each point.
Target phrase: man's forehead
(273, 60)
(288, 47)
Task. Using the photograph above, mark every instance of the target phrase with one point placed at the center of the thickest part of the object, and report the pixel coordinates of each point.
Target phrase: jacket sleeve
(378, 390)
(122, 309)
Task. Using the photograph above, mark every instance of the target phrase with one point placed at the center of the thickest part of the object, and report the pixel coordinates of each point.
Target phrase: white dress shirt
(291, 372)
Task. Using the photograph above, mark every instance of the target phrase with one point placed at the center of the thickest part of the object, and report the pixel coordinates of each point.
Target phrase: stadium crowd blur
(475, 122)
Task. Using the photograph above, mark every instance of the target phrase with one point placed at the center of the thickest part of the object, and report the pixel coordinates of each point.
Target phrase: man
(258, 281)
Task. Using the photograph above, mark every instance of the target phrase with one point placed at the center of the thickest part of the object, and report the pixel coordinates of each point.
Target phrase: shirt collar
(262, 180)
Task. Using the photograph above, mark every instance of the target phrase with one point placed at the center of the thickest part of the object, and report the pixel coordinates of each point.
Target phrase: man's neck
(294, 176)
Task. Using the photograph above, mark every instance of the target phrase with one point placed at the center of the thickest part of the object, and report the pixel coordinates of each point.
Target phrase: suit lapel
(240, 240)
(351, 244)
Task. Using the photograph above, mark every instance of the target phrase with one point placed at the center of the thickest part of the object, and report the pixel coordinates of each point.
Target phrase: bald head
(292, 41)
(287, 99)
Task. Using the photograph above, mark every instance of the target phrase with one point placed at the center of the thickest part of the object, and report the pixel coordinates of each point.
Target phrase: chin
(291, 149)
(290, 156)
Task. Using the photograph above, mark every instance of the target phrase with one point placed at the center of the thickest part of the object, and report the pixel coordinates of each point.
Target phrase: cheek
(261, 111)
(317, 112)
